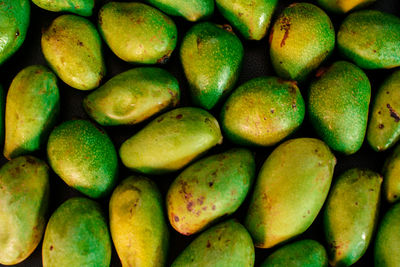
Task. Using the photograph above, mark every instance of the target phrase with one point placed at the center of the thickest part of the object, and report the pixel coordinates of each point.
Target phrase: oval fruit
(191, 10)
(343, 6)
(391, 176)
(80, 7)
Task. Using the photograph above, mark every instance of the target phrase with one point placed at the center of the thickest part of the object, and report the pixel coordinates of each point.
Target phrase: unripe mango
(80, 7)
(391, 176)
(191, 10)
(343, 6)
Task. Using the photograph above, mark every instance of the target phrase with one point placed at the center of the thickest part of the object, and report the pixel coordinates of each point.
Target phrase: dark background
(256, 63)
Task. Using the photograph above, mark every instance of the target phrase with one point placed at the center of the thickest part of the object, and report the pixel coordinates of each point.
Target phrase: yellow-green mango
(32, 108)
(343, 6)
(2, 115)
(80, 7)
(391, 176)
(133, 96)
(171, 141)
(191, 10)
(72, 47)
(210, 189)
(77, 235)
(137, 33)
(24, 196)
(290, 190)
(227, 244)
(137, 222)
(351, 214)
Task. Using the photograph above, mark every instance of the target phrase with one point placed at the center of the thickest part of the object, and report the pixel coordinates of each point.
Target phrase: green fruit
(191, 10)
(391, 175)
(343, 6)
(137, 222)
(77, 235)
(210, 189)
(181, 136)
(263, 111)
(2, 115)
(80, 7)
(227, 244)
(300, 40)
(338, 104)
(290, 190)
(72, 47)
(24, 196)
(84, 157)
(137, 33)
(133, 96)
(371, 39)
(211, 56)
(350, 215)
(33, 104)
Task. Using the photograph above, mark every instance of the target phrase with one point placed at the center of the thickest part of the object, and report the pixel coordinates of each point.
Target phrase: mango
(137, 33)
(24, 197)
(301, 38)
(32, 108)
(137, 222)
(210, 189)
(211, 57)
(133, 96)
(2, 112)
(80, 7)
(338, 105)
(343, 6)
(227, 244)
(290, 190)
(391, 177)
(262, 112)
(84, 157)
(171, 141)
(77, 235)
(72, 47)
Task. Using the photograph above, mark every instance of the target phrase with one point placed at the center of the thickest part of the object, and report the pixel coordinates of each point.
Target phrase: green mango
(338, 105)
(290, 190)
(77, 235)
(133, 96)
(137, 33)
(32, 108)
(181, 135)
(211, 57)
(84, 157)
(227, 244)
(350, 215)
(210, 189)
(72, 47)
(391, 174)
(137, 222)
(343, 6)
(371, 39)
(301, 38)
(262, 112)
(24, 197)
(80, 7)
(14, 22)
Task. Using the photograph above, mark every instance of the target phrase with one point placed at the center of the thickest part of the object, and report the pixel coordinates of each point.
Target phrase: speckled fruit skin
(32, 108)
(227, 244)
(72, 47)
(137, 222)
(191, 10)
(343, 6)
(391, 176)
(290, 190)
(133, 96)
(301, 38)
(371, 39)
(77, 235)
(24, 196)
(338, 106)
(210, 189)
(350, 215)
(262, 112)
(84, 157)
(137, 33)
(80, 7)
(182, 135)
(211, 57)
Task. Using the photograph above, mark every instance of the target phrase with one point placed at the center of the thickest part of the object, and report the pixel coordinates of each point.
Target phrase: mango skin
(137, 33)
(24, 197)
(137, 222)
(77, 235)
(32, 108)
(262, 112)
(211, 57)
(72, 47)
(338, 105)
(2, 115)
(210, 189)
(182, 135)
(391, 181)
(80, 7)
(343, 6)
(301, 38)
(84, 157)
(227, 244)
(290, 190)
(133, 96)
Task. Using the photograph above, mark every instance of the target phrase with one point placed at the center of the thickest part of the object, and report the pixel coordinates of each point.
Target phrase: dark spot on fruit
(271, 35)
(394, 196)
(176, 218)
(321, 71)
(51, 247)
(285, 26)
(30, 160)
(272, 110)
(200, 200)
(207, 120)
(356, 203)
(213, 207)
(160, 119)
(208, 244)
(240, 14)
(294, 106)
(227, 27)
(164, 59)
(210, 184)
(387, 92)
(379, 112)
(190, 206)
(17, 33)
(280, 62)
(80, 43)
(393, 113)
(374, 51)
(371, 190)
(381, 126)
(179, 116)
(308, 211)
